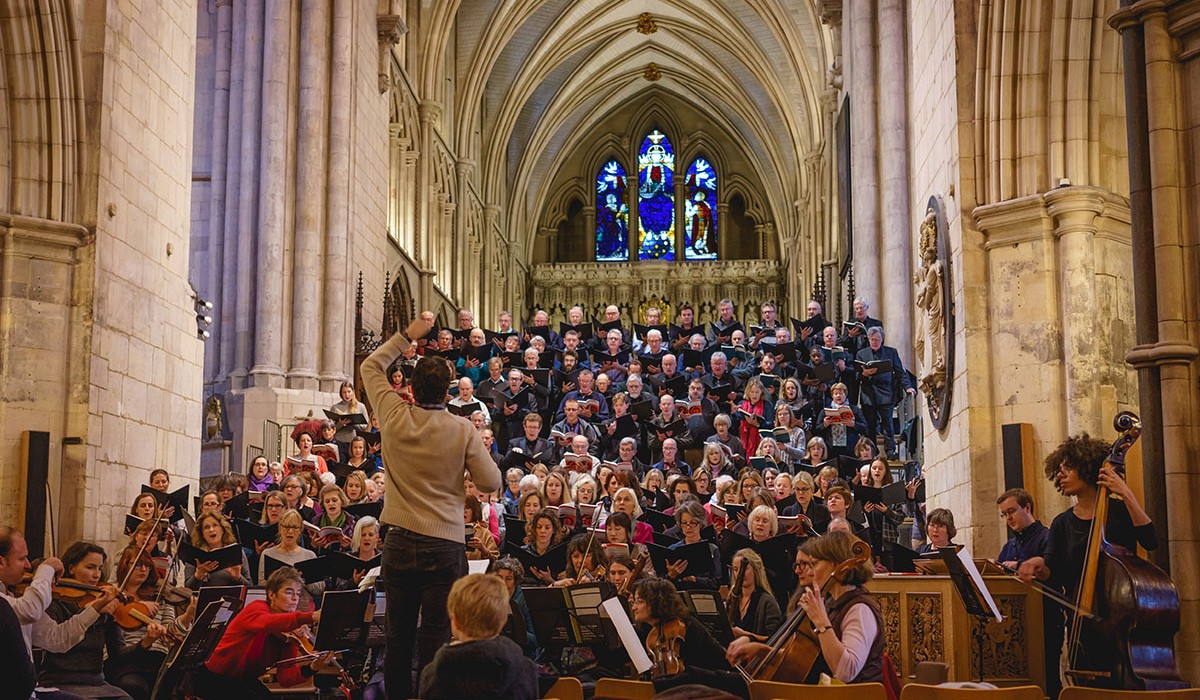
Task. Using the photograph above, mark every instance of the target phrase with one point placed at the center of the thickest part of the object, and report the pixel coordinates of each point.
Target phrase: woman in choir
(864, 449)
(555, 490)
(348, 405)
(482, 545)
(808, 505)
(304, 445)
(274, 504)
(769, 450)
(584, 490)
(838, 500)
(530, 505)
(356, 487)
(277, 474)
(136, 667)
(512, 573)
(752, 608)
(616, 531)
(883, 520)
(716, 459)
(358, 458)
(626, 501)
(702, 479)
(380, 480)
(365, 544)
(755, 411)
(258, 477)
(849, 629)
(653, 490)
(289, 549)
(295, 495)
(80, 670)
(212, 531)
(783, 486)
(210, 502)
(749, 481)
(817, 453)
(333, 514)
(791, 395)
(542, 533)
(160, 480)
(763, 523)
(691, 517)
(939, 525)
(792, 451)
(724, 436)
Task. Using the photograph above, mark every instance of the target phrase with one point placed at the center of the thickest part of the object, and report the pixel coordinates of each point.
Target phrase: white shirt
(40, 629)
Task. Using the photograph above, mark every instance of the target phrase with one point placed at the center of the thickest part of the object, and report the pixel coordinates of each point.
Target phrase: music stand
(973, 592)
(200, 642)
(566, 617)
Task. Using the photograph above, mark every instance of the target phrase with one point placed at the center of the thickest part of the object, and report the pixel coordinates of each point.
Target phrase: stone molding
(1164, 352)
(1052, 214)
(30, 235)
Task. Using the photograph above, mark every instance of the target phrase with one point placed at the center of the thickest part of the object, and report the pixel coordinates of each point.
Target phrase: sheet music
(477, 566)
(969, 564)
(629, 639)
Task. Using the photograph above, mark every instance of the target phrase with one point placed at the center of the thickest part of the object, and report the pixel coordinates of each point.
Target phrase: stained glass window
(700, 212)
(612, 214)
(656, 198)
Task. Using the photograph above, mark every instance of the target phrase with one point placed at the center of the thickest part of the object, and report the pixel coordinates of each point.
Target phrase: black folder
(699, 558)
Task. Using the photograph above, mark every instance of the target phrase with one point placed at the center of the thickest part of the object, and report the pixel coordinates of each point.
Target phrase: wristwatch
(822, 630)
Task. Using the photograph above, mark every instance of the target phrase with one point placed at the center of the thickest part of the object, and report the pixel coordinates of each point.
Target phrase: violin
(638, 567)
(75, 591)
(665, 644)
(1124, 638)
(794, 648)
(304, 638)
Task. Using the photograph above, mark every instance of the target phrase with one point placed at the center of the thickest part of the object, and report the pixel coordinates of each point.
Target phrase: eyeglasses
(289, 527)
(689, 523)
(801, 565)
(141, 565)
(274, 505)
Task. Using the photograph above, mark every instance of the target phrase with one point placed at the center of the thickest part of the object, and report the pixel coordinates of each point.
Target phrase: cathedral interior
(210, 211)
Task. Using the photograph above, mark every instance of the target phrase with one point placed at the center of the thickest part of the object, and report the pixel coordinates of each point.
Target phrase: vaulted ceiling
(536, 79)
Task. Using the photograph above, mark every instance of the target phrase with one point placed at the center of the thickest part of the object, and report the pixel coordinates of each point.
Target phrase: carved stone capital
(390, 29)
(830, 12)
(429, 111)
(1164, 352)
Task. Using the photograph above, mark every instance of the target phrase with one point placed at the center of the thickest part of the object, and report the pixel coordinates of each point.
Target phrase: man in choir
(612, 365)
(426, 450)
(572, 425)
(586, 393)
(696, 343)
(466, 320)
(652, 351)
(840, 434)
(807, 336)
(719, 375)
(721, 330)
(541, 321)
(504, 322)
(877, 389)
(466, 397)
(670, 463)
(531, 443)
(581, 446)
(637, 392)
(1029, 540)
(510, 415)
(685, 330)
(670, 370)
(767, 319)
(571, 342)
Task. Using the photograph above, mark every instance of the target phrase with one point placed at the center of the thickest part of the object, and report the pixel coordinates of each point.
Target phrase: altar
(925, 620)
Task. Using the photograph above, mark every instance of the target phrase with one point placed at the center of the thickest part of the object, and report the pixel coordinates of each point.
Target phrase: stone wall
(147, 362)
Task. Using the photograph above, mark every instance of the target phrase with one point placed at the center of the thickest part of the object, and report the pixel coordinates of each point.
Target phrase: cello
(794, 648)
(1128, 609)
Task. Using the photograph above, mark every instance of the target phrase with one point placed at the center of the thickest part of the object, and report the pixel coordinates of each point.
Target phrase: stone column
(247, 222)
(308, 309)
(269, 272)
(424, 252)
(214, 349)
(589, 220)
(864, 152)
(722, 227)
(338, 324)
(462, 261)
(896, 300)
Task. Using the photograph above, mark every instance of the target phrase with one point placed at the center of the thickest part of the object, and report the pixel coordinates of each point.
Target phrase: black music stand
(568, 617)
(973, 592)
(199, 644)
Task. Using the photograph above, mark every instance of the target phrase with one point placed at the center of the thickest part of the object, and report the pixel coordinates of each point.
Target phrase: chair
(932, 672)
(565, 688)
(770, 690)
(626, 690)
(919, 691)
(1081, 693)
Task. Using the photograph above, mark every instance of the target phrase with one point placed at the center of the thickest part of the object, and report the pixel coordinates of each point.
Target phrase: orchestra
(653, 465)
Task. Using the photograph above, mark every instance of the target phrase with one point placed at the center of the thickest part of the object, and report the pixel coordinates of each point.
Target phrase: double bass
(1122, 636)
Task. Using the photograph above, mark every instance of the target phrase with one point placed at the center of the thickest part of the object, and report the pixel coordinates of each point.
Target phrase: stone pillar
(338, 324)
(864, 151)
(247, 224)
(213, 350)
(462, 260)
(589, 220)
(307, 278)
(269, 270)
(896, 226)
(424, 252)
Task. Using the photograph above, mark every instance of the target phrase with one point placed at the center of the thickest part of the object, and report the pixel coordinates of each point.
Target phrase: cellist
(849, 628)
(1077, 468)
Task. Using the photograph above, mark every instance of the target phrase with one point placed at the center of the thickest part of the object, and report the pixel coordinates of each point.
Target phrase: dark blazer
(882, 388)
(542, 445)
(853, 433)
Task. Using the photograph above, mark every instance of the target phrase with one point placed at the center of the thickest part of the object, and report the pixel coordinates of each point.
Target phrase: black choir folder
(177, 499)
(227, 556)
(698, 556)
(555, 559)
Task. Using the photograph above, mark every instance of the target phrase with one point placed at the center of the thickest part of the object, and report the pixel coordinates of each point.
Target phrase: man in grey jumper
(425, 451)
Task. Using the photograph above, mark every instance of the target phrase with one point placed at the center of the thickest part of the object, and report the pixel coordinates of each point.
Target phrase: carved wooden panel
(1005, 647)
(889, 609)
(927, 628)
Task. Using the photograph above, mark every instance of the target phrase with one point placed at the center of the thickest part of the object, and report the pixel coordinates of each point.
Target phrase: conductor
(425, 450)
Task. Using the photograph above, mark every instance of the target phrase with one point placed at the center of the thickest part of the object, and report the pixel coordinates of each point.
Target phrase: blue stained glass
(656, 198)
(612, 214)
(700, 212)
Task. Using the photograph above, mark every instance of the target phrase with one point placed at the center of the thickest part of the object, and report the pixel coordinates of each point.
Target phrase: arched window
(700, 212)
(612, 214)
(656, 198)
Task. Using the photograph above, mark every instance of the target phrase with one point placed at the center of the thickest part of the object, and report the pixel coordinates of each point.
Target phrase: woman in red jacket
(254, 642)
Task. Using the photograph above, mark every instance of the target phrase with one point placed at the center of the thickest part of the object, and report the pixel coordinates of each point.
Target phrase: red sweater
(252, 644)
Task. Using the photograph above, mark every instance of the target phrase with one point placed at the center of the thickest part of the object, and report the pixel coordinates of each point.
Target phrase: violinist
(849, 630)
(38, 628)
(511, 571)
(621, 568)
(146, 643)
(254, 641)
(586, 561)
(616, 531)
(677, 643)
(80, 669)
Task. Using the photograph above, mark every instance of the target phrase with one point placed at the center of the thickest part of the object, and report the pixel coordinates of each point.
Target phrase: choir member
(752, 608)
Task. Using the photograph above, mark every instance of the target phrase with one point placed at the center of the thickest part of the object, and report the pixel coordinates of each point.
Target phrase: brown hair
(945, 518)
(837, 547)
(1083, 453)
(1024, 500)
(430, 379)
(479, 604)
(660, 596)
